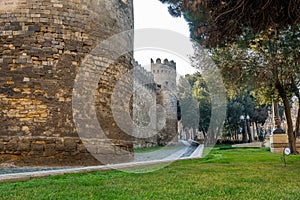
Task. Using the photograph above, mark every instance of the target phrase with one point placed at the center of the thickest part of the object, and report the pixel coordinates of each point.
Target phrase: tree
(260, 116)
(201, 93)
(189, 112)
(195, 102)
(220, 21)
(234, 111)
(268, 63)
(274, 58)
(244, 104)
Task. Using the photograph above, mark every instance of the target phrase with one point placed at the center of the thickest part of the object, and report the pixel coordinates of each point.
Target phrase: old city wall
(42, 45)
(165, 77)
(155, 101)
(144, 108)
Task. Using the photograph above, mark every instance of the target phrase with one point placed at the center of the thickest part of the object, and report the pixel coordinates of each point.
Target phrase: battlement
(143, 77)
(142, 72)
(162, 92)
(171, 63)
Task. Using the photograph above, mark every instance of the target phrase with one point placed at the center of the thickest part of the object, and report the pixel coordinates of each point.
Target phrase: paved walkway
(164, 155)
(253, 144)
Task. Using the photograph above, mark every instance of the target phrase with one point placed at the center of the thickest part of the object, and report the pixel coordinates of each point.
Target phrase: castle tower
(164, 74)
(165, 77)
(43, 45)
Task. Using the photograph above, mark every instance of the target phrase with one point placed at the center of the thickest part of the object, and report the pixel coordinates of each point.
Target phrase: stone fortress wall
(165, 76)
(42, 45)
(144, 101)
(163, 93)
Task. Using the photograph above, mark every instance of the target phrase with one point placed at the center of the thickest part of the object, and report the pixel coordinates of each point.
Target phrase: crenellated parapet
(163, 75)
(158, 61)
(143, 77)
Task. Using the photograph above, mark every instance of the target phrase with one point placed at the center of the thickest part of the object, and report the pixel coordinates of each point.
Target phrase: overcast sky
(153, 14)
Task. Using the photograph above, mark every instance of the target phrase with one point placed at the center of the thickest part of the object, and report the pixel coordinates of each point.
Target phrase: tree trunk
(249, 131)
(244, 132)
(298, 118)
(287, 111)
(234, 134)
(291, 136)
(297, 93)
(257, 129)
(253, 130)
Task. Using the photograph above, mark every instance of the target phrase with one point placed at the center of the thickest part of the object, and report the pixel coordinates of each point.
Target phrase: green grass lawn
(224, 174)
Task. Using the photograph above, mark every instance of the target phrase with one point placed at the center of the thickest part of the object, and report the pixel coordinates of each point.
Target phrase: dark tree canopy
(214, 22)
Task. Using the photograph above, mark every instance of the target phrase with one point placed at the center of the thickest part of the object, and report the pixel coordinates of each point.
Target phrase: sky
(154, 14)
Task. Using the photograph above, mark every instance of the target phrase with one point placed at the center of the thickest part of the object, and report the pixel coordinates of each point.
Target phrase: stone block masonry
(157, 87)
(42, 46)
(165, 77)
(144, 115)
(278, 142)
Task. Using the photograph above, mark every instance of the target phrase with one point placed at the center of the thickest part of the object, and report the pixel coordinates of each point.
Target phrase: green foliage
(226, 173)
(236, 65)
(268, 64)
(241, 104)
(244, 104)
(263, 63)
(188, 104)
(220, 21)
(234, 110)
(201, 95)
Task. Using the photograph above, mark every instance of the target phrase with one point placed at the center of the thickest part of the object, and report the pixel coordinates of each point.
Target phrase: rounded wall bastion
(42, 46)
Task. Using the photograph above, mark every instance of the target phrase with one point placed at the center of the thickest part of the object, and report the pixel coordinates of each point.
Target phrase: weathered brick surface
(144, 99)
(150, 89)
(164, 73)
(42, 46)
